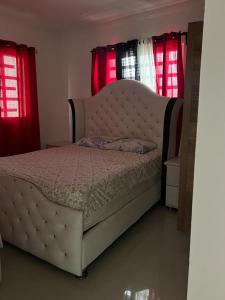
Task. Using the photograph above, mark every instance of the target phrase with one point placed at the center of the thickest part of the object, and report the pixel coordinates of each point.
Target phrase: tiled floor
(149, 259)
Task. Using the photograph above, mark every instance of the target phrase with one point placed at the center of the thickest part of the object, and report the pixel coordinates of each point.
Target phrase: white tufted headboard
(125, 108)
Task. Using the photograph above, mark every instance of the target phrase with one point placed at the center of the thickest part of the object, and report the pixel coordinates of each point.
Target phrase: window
(128, 64)
(19, 120)
(126, 61)
(103, 67)
(157, 62)
(112, 69)
(169, 57)
(172, 83)
(110, 66)
(9, 103)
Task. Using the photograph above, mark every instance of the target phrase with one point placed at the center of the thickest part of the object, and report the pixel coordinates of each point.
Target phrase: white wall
(207, 256)
(53, 110)
(64, 59)
(80, 41)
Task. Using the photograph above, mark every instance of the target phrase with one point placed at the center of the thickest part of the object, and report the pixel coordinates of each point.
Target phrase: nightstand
(57, 144)
(172, 182)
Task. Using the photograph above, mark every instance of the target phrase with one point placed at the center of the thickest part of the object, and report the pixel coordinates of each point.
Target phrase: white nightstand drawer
(172, 194)
(173, 175)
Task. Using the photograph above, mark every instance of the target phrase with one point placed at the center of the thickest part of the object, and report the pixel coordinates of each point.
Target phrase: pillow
(130, 145)
(95, 141)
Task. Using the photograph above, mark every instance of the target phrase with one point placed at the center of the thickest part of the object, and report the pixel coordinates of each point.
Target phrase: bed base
(54, 233)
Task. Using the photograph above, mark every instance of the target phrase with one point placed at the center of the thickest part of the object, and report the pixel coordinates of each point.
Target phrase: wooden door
(190, 116)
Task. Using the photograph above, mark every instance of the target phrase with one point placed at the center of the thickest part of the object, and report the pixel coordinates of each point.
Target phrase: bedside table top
(173, 162)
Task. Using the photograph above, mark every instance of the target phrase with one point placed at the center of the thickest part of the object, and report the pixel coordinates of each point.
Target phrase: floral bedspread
(82, 178)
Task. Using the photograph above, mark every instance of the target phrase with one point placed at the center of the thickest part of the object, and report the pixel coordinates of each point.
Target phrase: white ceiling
(67, 12)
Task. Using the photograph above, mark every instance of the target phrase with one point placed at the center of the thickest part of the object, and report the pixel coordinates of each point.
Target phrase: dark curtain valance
(169, 36)
(9, 44)
(103, 49)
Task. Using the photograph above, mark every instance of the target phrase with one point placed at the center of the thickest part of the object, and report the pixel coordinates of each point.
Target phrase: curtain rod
(160, 37)
(184, 33)
(6, 43)
(112, 47)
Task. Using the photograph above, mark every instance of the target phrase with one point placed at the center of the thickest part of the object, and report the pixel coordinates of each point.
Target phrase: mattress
(96, 182)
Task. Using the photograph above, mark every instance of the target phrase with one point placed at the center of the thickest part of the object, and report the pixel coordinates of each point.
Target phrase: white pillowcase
(119, 144)
(95, 141)
(131, 145)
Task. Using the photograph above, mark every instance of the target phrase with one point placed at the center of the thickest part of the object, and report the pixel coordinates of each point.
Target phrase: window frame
(129, 67)
(172, 61)
(5, 111)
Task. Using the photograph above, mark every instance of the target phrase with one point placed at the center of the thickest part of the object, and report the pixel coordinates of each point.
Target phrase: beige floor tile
(149, 262)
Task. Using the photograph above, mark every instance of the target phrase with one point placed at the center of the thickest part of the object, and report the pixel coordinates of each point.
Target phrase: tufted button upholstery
(53, 232)
(125, 108)
(43, 228)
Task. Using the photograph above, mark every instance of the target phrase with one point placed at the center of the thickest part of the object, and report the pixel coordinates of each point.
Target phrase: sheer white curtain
(146, 63)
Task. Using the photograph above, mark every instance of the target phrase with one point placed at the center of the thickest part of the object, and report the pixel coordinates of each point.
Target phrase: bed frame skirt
(54, 233)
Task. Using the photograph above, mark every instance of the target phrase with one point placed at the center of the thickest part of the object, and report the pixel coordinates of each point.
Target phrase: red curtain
(169, 65)
(103, 67)
(19, 122)
(169, 62)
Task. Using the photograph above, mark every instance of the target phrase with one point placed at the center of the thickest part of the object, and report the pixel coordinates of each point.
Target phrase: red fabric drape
(103, 67)
(168, 54)
(169, 65)
(19, 122)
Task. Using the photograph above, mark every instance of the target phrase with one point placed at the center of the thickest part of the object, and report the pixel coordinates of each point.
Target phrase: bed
(67, 205)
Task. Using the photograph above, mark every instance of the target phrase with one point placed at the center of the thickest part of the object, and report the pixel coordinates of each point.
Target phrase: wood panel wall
(190, 117)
